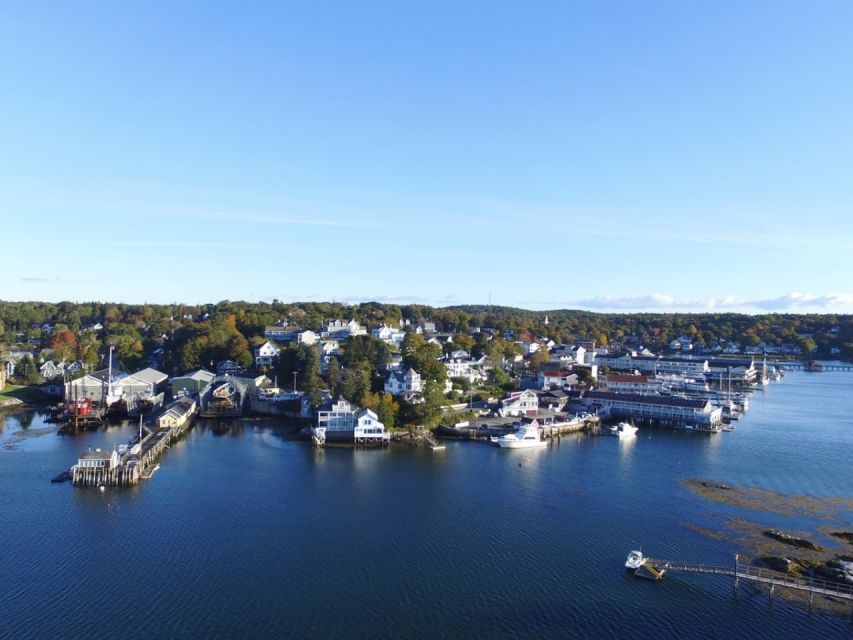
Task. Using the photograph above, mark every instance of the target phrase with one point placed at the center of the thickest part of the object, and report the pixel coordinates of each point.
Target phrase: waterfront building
(192, 383)
(98, 459)
(97, 386)
(673, 410)
(740, 371)
(226, 397)
(177, 413)
(345, 422)
(652, 365)
(142, 384)
(630, 383)
(519, 403)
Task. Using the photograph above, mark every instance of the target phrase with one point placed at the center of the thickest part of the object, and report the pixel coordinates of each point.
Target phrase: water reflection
(711, 449)
(626, 451)
(528, 463)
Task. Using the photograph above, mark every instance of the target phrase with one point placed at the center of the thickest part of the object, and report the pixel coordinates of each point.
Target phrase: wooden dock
(759, 575)
(568, 427)
(136, 464)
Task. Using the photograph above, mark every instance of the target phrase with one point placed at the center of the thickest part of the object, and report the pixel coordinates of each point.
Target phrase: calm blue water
(252, 534)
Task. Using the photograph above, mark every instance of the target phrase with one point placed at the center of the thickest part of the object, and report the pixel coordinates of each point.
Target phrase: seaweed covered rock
(775, 563)
(847, 536)
(794, 541)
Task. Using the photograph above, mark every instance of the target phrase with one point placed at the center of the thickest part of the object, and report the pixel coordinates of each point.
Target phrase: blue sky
(599, 155)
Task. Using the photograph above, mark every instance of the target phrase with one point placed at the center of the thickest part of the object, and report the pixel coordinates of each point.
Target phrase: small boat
(635, 560)
(65, 476)
(524, 437)
(623, 430)
(643, 567)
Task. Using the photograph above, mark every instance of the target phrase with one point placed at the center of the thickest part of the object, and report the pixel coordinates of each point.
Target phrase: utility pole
(294, 382)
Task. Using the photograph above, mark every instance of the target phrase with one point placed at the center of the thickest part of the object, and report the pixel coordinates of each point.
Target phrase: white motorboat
(524, 437)
(635, 560)
(643, 567)
(623, 430)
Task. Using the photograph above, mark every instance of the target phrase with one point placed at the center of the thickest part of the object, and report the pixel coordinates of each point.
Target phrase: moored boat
(634, 561)
(524, 437)
(623, 430)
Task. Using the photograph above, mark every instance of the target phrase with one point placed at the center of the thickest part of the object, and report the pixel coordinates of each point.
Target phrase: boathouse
(177, 413)
(98, 459)
(226, 397)
(192, 383)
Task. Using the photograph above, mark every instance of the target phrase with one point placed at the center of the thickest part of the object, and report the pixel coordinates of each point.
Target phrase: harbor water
(246, 532)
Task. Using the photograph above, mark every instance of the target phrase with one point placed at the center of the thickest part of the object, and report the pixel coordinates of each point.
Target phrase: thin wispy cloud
(386, 299)
(41, 280)
(190, 244)
(300, 213)
(666, 302)
(800, 300)
(265, 218)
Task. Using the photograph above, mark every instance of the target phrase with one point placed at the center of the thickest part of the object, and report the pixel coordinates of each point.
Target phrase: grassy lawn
(30, 395)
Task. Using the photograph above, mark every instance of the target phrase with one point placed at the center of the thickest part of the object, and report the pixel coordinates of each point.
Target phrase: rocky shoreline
(795, 553)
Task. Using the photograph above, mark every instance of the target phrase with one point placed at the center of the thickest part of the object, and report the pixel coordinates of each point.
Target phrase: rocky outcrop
(786, 538)
(847, 536)
(715, 485)
(785, 565)
(840, 571)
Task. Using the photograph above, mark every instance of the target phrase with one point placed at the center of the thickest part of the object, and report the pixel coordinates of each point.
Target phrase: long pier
(814, 367)
(136, 464)
(740, 571)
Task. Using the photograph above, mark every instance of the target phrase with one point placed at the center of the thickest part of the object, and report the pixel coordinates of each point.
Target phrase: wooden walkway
(774, 579)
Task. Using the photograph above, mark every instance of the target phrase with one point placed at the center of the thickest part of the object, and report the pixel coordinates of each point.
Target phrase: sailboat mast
(109, 376)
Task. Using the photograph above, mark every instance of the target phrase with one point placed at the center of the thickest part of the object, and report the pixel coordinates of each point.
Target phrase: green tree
(26, 370)
(431, 409)
(537, 360)
(388, 410)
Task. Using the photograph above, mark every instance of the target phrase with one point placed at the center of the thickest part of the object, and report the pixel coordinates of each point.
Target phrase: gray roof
(91, 454)
(636, 398)
(104, 374)
(202, 374)
(150, 376)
